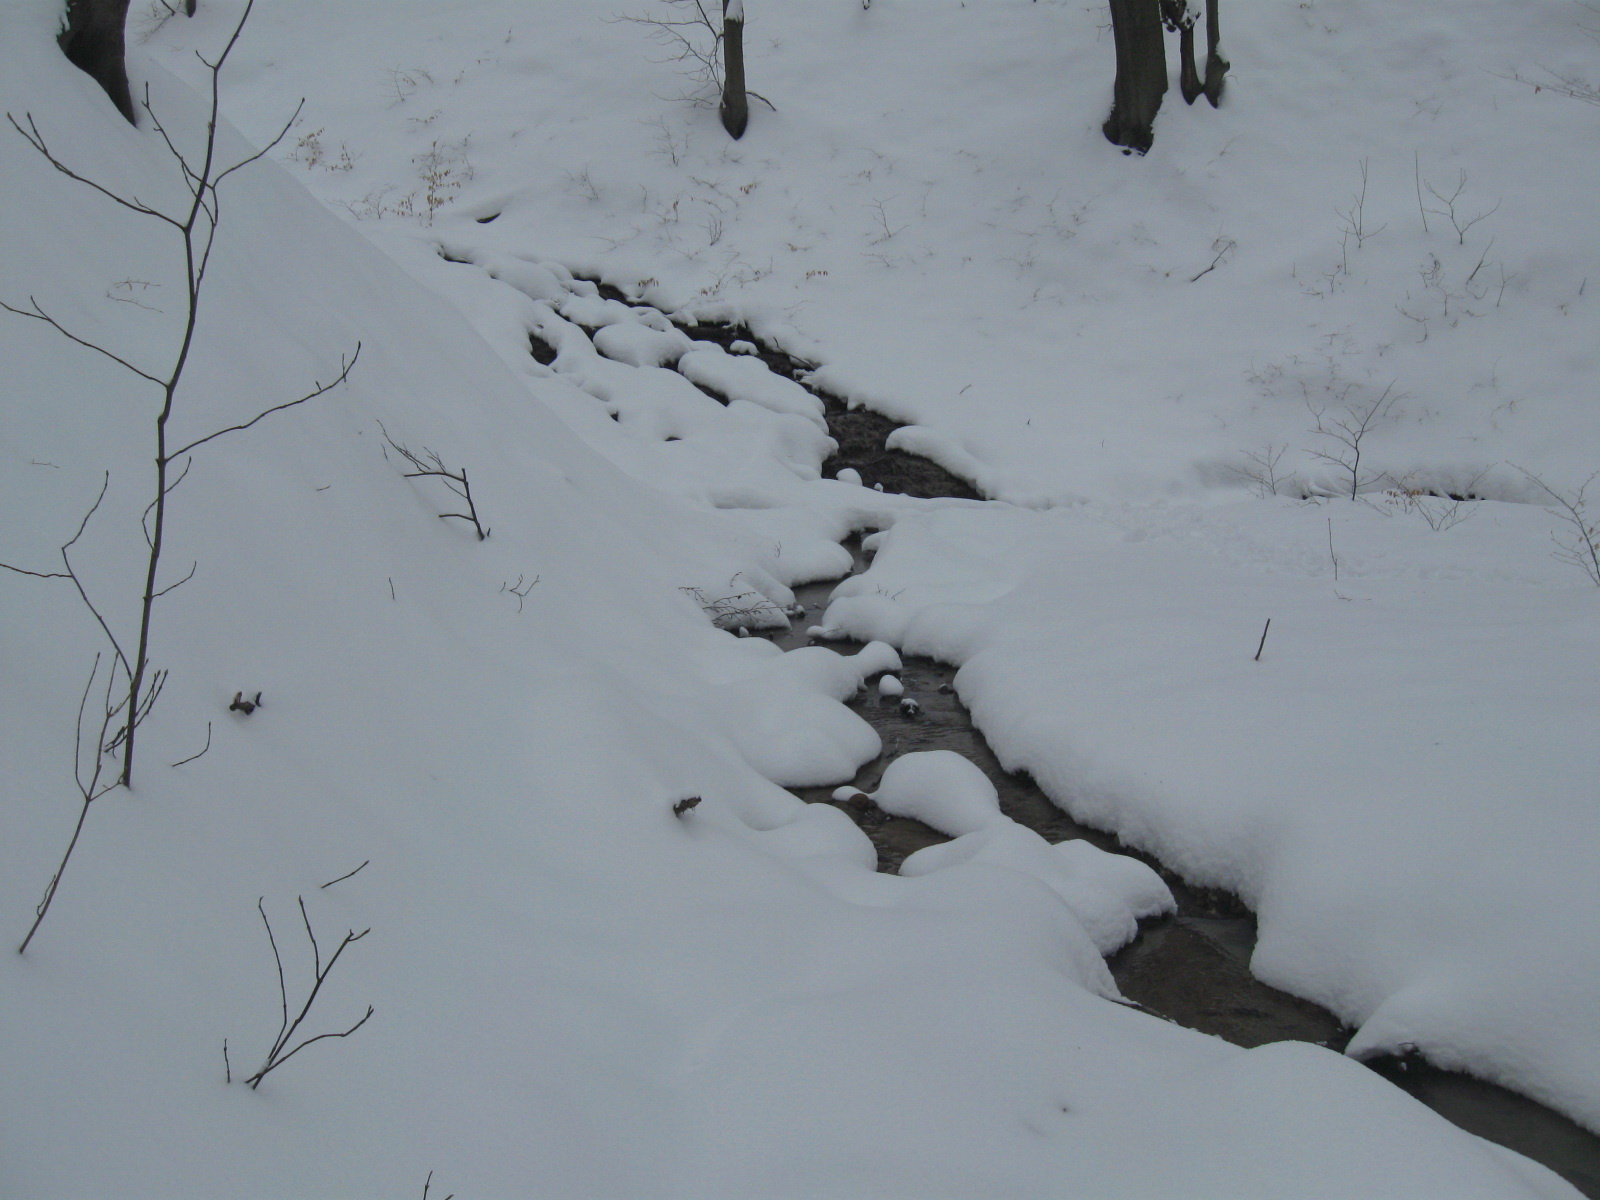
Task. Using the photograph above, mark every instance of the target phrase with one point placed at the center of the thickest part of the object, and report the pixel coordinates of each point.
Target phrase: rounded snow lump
(939, 788)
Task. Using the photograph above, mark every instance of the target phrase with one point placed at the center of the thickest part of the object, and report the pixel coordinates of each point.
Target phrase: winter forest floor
(1219, 513)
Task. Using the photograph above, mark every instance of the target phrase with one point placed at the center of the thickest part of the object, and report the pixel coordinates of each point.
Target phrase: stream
(1192, 967)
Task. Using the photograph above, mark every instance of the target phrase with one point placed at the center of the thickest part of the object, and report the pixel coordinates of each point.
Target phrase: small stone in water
(909, 707)
(889, 687)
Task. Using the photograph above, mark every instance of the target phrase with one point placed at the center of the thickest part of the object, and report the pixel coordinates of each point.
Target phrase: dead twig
(428, 465)
(280, 1052)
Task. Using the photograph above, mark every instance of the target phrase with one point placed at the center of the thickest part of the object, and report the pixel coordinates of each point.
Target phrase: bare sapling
(428, 465)
(710, 44)
(1451, 211)
(195, 227)
(281, 1050)
(1260, 469)
(1348, 429)
(1353, 222)
(1579, 546)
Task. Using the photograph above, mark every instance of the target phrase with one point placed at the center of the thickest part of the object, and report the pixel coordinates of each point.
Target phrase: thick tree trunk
(93, 41)
(1216, 62)
(735, 107)
(1141, 73)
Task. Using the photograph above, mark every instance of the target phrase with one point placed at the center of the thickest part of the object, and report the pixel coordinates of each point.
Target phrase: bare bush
(281, 1051)
(428, 465)
(1580, 544)
(1347, 427)
(196, 225)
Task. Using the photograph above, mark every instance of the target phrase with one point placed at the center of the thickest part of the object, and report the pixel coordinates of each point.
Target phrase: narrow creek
(1193, 967)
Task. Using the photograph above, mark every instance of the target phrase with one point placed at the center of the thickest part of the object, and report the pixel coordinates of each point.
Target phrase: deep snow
(579, 993)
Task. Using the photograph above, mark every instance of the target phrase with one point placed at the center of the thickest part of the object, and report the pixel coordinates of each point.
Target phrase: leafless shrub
(1459, 220)
(692, 35)
(1260, 469)
(1353, 221)
(1580, 544)
(740, 610)
(281, 1052)
(1347, 426)
(197, 224)
(1439, 512)
(428, 465)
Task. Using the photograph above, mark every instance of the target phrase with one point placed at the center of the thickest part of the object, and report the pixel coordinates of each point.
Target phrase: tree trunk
(1141, 73)
(735, 107)
(1188, 77)
(93, 42)
(1216, 63)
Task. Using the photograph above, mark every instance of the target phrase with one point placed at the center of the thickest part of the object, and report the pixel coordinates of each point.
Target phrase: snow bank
(1398, 786)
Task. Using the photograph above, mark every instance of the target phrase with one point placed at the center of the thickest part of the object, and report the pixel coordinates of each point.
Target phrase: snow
(939, 788)
(578, 992)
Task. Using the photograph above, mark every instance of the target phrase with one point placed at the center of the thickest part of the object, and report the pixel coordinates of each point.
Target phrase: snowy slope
(576, 992)
(932, 215)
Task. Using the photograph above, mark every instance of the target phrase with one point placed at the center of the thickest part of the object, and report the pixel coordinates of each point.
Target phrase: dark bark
(735, 106)
(92, 39)
(188, 7)
(1188, 77)
(1216, 63)
(1141, 73)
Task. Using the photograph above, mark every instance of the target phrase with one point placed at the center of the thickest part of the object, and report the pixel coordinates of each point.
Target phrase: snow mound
(939, 788)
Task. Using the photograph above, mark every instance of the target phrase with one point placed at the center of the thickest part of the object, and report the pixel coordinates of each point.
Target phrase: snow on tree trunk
(1141, 73)
(93, 41)
(1180, 15)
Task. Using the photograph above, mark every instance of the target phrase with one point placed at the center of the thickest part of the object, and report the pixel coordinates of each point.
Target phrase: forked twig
(280, 1052)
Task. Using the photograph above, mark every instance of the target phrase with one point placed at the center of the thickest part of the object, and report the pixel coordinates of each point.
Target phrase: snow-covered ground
(579, 993)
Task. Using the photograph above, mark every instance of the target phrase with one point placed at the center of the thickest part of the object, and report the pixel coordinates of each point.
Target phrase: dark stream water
(1193, 967)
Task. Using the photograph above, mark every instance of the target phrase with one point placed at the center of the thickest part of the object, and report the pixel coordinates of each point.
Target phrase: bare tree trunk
(1216, 63)
(735, 107)
(1141, 73)
(1188, 77)
(93, 42)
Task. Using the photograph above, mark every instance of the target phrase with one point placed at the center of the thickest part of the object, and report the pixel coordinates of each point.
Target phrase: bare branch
(38, 314)
(202, 750)
(429, 465)
(321, 389)
(36, 140)
(172, 587)
(278, 1055)
(345, 876)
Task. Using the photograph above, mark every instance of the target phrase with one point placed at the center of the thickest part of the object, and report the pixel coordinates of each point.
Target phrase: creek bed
(1192, 967)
